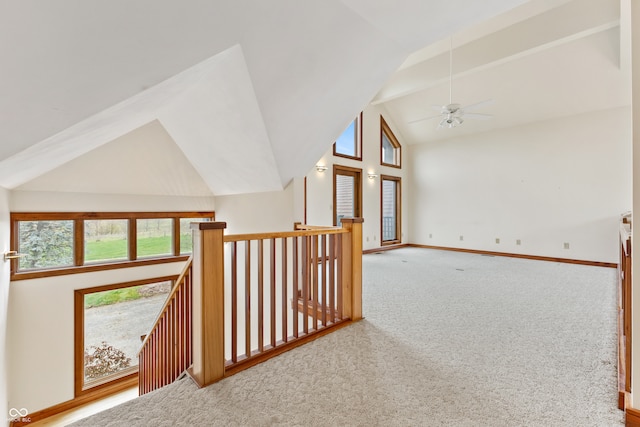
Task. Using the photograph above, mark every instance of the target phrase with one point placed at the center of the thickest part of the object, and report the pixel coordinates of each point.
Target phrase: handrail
(186, 270)
(166, 351)
(300, 226)
(283, 234)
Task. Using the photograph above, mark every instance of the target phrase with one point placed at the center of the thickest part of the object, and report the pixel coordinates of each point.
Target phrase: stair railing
(251, 297)
(166, 351)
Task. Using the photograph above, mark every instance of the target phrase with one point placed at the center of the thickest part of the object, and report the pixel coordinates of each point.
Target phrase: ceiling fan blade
(438, 107)
(477, 116)
(477, 105)
(424, 118)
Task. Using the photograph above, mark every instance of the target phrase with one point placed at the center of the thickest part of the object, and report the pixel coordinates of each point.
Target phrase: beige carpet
(449, 339)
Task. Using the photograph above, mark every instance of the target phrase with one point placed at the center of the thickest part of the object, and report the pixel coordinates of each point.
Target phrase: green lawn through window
(116, 249)
(98, 299)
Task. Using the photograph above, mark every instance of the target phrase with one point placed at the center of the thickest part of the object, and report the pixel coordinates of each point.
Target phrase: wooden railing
(257, 295)
(167, 351)
(624, 311)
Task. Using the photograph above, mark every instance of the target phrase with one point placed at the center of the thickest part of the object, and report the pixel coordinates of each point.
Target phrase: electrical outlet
(430, 235)
(367, 238)
(461, 238)
(566, 245)
(497, 240)
(518, 242)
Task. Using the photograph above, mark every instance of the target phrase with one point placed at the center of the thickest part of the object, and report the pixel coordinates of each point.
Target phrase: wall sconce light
(372, 175)
(321, 168)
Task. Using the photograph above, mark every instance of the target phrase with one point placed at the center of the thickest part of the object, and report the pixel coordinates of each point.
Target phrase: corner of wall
(4, 298)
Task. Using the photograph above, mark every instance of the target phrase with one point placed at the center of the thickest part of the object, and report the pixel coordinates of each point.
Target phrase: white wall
(548, 183)
(320, 185)
(41, 332)
(259, 212)
(41, 201)
(4, 300)
(40, 316)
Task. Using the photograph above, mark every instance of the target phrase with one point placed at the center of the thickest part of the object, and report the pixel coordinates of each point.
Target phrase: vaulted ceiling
(531, 64)
(252, 93)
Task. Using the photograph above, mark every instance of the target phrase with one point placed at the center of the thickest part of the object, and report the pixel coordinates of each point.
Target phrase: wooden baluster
(332, 278)
(339, 276)
(234, 302)
(305, 284)
(314, 280)
(261, 295)
(285, 320)
(169, 347)
(272, 296)
(178, 332)
(181, 343)
(141, 371)
(154, 360)
(323, 287)
(189, 322)
(247, 298)
(161, 361)
(174, 340)
(294, 286)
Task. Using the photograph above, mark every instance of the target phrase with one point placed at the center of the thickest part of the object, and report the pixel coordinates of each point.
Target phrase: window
(186, 242)
(390, 150)
(74, 242)
(349, 143)
(106, 240)
(45, 244)
(110, 322)
(390, 209)
(154, 237)
(347, 193)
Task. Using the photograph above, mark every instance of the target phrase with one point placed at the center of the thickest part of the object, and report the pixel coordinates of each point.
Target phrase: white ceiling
(533, 65)
(253, 93)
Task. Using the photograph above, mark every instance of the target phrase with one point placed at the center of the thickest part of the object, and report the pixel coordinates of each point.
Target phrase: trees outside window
(65, 243)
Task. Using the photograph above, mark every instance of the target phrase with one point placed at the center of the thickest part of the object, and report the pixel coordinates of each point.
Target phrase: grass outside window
(75, 242)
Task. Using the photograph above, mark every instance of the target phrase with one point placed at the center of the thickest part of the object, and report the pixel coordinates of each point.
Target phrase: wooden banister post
(352, 268)
(208, 302)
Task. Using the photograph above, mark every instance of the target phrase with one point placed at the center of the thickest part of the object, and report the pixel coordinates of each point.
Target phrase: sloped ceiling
(541, 61)
(251, 92)
(143, 161)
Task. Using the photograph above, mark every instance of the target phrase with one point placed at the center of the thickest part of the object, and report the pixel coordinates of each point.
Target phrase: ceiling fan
(452, 114)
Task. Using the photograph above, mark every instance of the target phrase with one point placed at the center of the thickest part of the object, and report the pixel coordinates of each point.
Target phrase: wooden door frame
(356, 173)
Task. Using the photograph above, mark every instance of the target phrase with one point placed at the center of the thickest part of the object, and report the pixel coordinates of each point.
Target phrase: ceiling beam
(569, 22)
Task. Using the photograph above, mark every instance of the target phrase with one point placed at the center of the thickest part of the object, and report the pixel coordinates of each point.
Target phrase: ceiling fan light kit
(450, 122)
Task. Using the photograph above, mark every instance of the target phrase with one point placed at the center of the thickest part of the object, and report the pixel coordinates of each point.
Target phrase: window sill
(38, 274)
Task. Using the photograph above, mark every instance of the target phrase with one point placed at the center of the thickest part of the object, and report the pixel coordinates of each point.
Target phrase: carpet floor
(448, 339)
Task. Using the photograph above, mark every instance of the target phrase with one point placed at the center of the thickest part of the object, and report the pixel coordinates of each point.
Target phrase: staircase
(242, 299)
